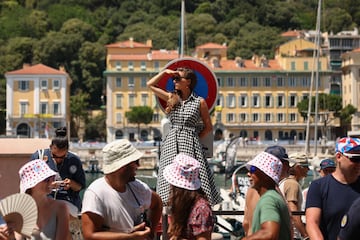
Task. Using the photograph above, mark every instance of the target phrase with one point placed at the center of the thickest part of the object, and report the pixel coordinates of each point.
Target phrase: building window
(156, 117)
(231, 101)
(292, 81)
(131, 100)
(24, 108)
(292, 100)
(118, 66)
(255, 101)
(119, 100)
(220, 82)
(305, 96)
(243, 117)
(243, 82)
(280, 101)
(131, 84)
(306, 66)
(293, 66)
(280, 117)
(255, 117)
(267, 81)
(220, 100)
(56, 84)
(230, 82)
(144, 99)
(306, 81)
(156, 66)
(243, 100)
(255, 82)
(143, 66)
(23, 85)
(268, 101)
(44, 108)
(118, 118)
(56, 108)
(143, 82)
(267, 117)
(230, 117)
(280, 82)
(44, 85)
(118, 82)
(292, 117)
(131, 66)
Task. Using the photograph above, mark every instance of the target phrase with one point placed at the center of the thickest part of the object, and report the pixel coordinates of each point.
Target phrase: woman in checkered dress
(185, 110)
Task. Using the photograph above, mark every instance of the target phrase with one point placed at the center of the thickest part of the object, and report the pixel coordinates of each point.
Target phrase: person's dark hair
(60, 140)
(189, 74)
(181, 202)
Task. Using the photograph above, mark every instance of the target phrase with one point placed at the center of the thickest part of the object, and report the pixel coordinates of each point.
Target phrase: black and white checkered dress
(183, 138)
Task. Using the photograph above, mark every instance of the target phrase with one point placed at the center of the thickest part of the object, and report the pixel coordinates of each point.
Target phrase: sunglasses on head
(252, 169)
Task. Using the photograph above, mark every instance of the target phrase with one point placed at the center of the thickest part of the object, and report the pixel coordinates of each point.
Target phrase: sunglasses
(252, 169)
(48, 179)
(355, 158)
(178, 78)
(58, 157)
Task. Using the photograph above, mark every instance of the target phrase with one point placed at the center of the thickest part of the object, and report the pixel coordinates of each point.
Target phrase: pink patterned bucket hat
(183, 172)
(268, 164)
(34, 172)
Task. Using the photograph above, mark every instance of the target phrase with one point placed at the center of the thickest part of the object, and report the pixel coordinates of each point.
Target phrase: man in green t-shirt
(271, 219)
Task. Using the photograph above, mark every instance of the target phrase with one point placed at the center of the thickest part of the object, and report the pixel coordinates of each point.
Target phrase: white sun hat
(118, 154)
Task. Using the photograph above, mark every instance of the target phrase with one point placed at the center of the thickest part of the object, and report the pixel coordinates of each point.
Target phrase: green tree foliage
(79, 110)
(329, 107)
(96, 127)
(73, 33)
(140, 114)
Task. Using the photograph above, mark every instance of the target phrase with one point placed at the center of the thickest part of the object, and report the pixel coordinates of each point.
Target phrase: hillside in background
(73, 33)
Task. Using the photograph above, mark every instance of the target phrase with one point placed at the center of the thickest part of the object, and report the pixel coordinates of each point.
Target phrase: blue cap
(326, 163)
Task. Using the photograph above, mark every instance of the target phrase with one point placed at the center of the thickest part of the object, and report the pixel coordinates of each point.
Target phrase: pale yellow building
(37, 101)
(257, 97)
(351, 87)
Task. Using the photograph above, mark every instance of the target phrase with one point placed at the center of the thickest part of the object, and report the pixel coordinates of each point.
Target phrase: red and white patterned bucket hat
(183, 172)
(34, 172)
(268, 164)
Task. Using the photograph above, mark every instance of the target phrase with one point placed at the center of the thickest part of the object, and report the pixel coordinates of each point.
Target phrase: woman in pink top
(191, 215)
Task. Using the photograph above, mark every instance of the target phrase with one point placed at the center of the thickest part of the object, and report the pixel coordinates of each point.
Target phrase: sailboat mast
(318, 34)
(182, 31)
(316, 55)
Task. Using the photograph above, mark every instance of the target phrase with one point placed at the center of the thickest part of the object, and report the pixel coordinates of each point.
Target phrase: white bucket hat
(183, 172)
(268, 164)
(34, 172)
(118, 154)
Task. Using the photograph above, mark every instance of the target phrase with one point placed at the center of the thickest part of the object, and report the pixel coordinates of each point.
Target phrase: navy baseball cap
(280, 153)
(326, 163)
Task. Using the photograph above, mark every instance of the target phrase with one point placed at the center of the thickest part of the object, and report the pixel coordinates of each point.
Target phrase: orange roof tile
(293, 33)
(155, 55)
(211, 45)
(128, 44)
(36, 69)
(230, 65)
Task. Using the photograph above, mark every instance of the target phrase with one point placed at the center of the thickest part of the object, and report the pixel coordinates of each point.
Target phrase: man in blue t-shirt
(330, 197)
